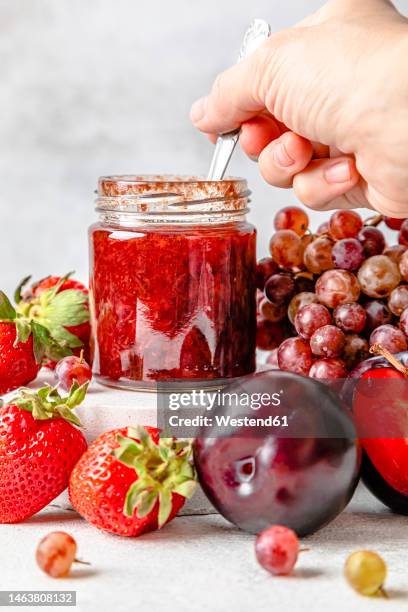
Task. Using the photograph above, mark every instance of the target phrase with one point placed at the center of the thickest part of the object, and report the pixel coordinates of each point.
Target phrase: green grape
(365, 571)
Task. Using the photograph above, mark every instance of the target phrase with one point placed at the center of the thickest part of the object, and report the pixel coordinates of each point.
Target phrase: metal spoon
(257, 33)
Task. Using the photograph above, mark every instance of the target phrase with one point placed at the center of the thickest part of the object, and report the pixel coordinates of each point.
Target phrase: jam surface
(173, 302)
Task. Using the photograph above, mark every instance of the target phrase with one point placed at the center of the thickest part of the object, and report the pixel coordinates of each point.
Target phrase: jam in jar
(172, 280)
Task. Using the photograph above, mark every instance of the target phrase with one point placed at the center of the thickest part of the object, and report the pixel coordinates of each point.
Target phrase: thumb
(239, 93)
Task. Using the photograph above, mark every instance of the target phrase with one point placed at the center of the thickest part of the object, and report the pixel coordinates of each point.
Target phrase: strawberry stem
(379, 350)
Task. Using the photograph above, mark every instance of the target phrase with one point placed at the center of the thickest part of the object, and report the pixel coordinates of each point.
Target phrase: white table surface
(202, 563)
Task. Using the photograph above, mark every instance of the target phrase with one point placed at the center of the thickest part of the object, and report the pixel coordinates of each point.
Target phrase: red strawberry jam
(172, 280)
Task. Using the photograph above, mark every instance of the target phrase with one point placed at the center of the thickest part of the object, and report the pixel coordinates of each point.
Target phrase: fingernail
(281, 156)
(338, 173)
(198, 110)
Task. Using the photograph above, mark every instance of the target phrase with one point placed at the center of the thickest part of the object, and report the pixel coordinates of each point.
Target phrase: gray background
(92, 87)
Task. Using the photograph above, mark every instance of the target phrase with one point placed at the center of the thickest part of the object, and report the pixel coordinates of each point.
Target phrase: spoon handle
(256, 34)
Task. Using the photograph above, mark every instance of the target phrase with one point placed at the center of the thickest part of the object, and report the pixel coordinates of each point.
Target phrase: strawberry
(131, 481)
(17, 363)
(39, 446)
(41, 327)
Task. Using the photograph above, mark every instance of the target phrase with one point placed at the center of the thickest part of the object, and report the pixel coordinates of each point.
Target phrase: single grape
(403, 234)
(272, 359)
(398, 300)
(327, 341)
(403, 322)
(377, 314)
(348, 254)
(327, 369)
(269, 335)
(345, 224)
(390, 338)
(72, 369)
(56, 553)
(280, 288)
(336, 287)
(286, 249)
(292, 218)
(372, 241)
(318, 255)
(403, 266)
(365, 571)
(264, 269)
(272, 311)
(297, 302)
(323, 228)
(350, 317)
(395, 252)
(378, 276)
(294, 355)
(355, 350)
(277, 550)
(392, 223)
(309, 318)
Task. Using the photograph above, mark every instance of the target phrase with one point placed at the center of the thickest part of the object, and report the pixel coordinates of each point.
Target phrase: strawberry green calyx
(162, 469)
(47, 403)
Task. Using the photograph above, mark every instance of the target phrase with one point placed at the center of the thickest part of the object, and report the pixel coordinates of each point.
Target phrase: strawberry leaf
(17, 292)
(7, 312)
(23, 330)
(165, 507)
(47, 403)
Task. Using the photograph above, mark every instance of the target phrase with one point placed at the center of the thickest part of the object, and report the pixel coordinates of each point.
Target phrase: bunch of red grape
(324, 299)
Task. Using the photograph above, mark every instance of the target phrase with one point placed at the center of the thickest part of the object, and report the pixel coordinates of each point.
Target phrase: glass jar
(172, 264)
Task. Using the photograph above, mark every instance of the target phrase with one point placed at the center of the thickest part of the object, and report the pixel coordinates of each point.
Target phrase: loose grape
(366, 572)
(327, 369)
(269, 335)
(336, 287)
(72, 369)
(286, 249)
(392, 223)
(372, 241)
(345, 224)
(403, 234)
(318, 255)
(294, 355)
(272, 311)
(390, 338)
(272, 359)
(292, 218)
(327, 341)
(323, 228)
(56, 553)
(377, 314)
(348, 254)
(350, 317)
(309, 318)
(264, 269)
(398, 299)
(403, 266)
(277, 550)
(403, 322)
(378, 276)
(280, 288)
(297, 302)
(355, 350)
(395, 252)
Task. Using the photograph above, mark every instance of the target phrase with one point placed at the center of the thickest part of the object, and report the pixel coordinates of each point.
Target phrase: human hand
(323, 107)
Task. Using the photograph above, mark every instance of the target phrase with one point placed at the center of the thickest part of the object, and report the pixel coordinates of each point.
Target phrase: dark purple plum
(301, 475)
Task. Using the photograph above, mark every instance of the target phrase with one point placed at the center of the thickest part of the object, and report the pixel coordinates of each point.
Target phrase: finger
(257, 133)
(324, 180)
(283, 158)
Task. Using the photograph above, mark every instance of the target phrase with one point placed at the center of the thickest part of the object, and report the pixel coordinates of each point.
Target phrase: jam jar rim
(152, 194)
